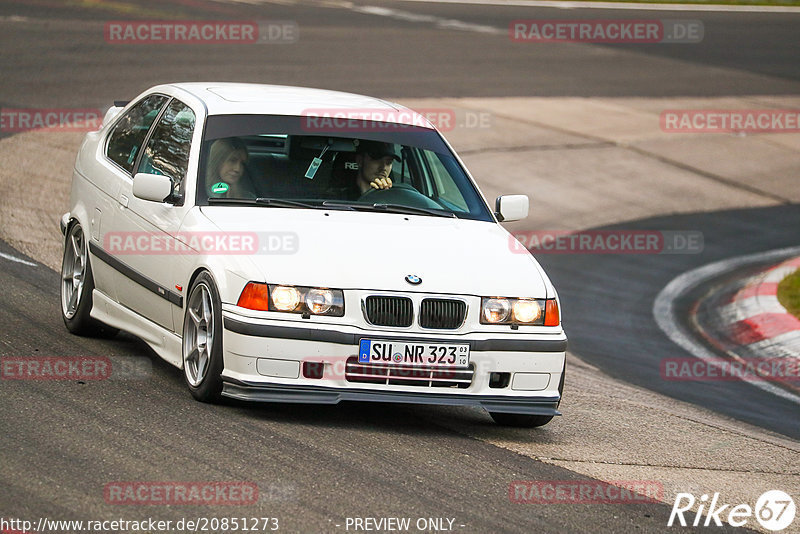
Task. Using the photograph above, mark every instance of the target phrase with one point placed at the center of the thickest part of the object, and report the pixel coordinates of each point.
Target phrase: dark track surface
(59, 57)
(608, 303)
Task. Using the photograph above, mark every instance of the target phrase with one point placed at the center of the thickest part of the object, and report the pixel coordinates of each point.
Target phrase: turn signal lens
(254, 297)
(496, 310)
(552, 316)
(526, 311)
(285, 298)
(319, 301)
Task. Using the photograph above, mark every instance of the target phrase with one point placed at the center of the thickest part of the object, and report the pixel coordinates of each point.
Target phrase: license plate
(416, 354)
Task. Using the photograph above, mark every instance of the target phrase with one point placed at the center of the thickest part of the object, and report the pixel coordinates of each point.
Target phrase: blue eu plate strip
(363, 350)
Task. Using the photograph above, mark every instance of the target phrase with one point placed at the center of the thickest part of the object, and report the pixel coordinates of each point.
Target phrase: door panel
(148, 287)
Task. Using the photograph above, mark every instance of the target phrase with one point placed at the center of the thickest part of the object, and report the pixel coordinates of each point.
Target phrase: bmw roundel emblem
(413, 279)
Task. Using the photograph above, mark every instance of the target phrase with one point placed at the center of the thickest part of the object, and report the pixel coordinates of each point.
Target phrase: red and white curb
(750, 326)
(757, 322)
(745, 320)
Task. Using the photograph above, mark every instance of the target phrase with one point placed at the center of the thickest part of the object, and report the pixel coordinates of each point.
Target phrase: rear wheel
(202, 340)
(77, 285)
(520, 420)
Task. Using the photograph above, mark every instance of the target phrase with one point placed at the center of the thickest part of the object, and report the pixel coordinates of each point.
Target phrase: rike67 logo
(774, 510)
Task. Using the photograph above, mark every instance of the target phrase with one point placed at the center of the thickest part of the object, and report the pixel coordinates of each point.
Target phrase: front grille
(389, 311)
(442, 313)
(406, 375)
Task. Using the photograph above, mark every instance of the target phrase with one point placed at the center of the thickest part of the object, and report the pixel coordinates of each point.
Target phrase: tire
(202, 340)
(520, 420)
(77, 285)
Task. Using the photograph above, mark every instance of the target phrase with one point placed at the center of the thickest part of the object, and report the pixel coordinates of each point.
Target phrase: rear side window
(167, 151)
(128, 135)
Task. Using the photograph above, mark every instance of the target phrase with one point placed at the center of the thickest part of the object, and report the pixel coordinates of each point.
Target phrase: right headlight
(519, 311)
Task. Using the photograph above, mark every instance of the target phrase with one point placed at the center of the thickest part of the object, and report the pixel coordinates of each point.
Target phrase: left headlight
(521, 311)
(292, 299)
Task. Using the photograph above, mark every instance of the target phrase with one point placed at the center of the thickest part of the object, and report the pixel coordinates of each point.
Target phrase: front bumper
(264, 361)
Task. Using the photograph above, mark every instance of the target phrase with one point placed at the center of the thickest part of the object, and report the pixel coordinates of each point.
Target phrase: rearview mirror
(153, 187)
(511, 207)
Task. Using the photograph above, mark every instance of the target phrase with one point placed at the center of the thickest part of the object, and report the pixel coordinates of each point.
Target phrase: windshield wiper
(339, 205)
(261, 201)
(280, 203)
(327, 204)
(246, 201)
(413, 210)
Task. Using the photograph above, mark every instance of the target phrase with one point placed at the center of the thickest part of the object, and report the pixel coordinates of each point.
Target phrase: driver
(374, 160)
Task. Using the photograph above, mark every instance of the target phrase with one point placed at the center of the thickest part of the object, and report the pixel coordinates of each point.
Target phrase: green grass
(789, 293)
(713, 2)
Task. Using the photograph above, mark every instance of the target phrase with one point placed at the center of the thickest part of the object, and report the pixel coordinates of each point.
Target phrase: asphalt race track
(62, 442)
(634, 357)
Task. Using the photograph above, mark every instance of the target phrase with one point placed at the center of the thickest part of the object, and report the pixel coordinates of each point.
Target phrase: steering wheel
(402, 194)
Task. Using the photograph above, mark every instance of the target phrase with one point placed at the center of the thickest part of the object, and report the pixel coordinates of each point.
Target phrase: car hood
(376, 251)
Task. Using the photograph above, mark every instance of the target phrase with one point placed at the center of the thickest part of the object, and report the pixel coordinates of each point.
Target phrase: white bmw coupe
(284, 244)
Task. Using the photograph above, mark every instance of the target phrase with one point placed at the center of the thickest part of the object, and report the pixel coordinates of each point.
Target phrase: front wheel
(77, 285)
(520, 420)
(202, 340)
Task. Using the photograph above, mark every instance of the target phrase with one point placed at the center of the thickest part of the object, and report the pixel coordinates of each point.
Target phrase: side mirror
(153, 187)
(511, 207)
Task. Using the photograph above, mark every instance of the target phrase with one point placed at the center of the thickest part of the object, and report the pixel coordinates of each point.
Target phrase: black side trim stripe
(329, 336)
(136, 276)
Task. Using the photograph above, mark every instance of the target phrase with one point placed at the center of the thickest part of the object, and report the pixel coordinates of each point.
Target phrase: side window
(128, 135)
(167, 151)
(448, 190)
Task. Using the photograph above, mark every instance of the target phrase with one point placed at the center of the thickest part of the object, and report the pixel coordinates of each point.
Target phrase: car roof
(225, 98)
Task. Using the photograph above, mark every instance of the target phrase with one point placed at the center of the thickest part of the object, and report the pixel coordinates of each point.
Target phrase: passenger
(225, 174)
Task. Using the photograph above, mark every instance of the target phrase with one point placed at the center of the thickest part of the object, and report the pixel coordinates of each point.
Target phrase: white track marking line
(440, 22)
(18, 260)
(629, 6)
(664, 309)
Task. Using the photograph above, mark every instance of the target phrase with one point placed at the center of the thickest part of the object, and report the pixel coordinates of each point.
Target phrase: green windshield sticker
(219, 187)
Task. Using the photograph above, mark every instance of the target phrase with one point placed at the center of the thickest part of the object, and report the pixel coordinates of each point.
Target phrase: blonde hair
(221, 149)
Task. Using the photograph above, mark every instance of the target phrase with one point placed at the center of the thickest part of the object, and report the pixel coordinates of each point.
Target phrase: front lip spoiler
(342, 338)
(245, 391)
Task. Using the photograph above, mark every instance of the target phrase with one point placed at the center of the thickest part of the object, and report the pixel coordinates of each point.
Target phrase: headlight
(285, 298)
(520, 311)
(292, 299)
(527, 311)
(495, 310)
(319, 301)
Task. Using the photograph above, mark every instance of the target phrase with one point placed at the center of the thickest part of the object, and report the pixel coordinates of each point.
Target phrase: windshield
(277, 161)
